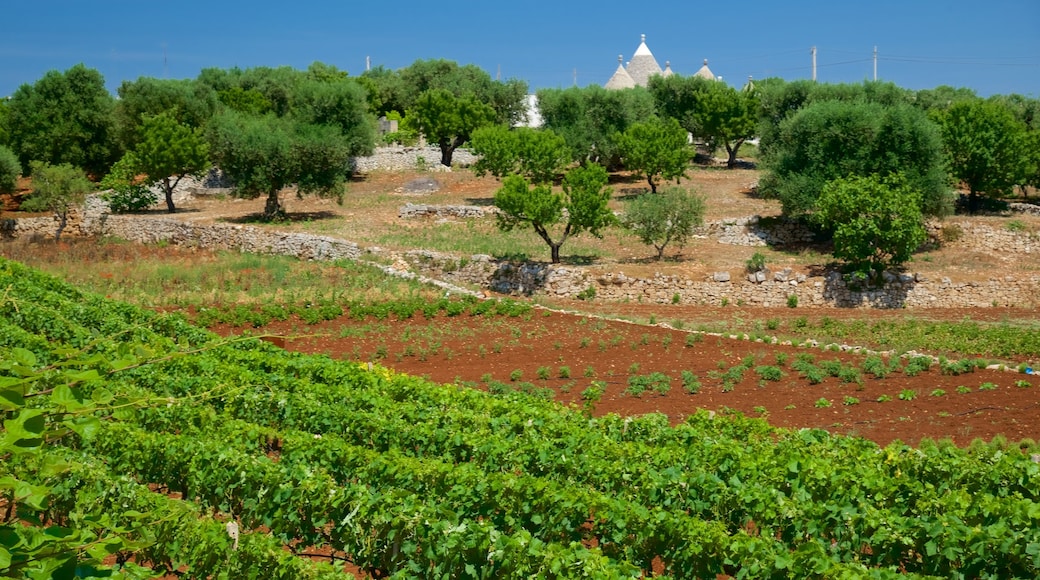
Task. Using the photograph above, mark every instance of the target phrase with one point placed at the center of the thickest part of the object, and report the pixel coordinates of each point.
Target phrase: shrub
(769, 373)
(10, 170)
(756, 263)
(792, 301)
(516, 375)
(822, 403)
(691, 384)
(543, 373)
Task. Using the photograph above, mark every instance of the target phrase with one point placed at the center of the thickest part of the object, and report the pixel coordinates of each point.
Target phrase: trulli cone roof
(705, 72)
(667, 72)
(643, 65)
(621, 78)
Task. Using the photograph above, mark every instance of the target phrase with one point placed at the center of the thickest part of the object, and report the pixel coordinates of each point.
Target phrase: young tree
(448, 120)
(986, 146)
(582, 206)
(537, 154)
(122, 188)
(833, 139)
(657, 147)
(659, 220)
(58, 189)
(263, 155)
(64, 118)
(877, 221)
(169, 151)
(10, 170)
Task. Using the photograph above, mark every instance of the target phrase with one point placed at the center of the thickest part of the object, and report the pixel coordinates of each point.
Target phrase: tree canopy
(448, 120)
(10, 170)
(189, 102)
(987, 147)
(713, 112)
(168, 151)
(537, 154)
(659, 220)
(877, 221)
(590, 119)
(65, 117)
(656, 148)
(57, 189)
(834, 139)
(264, 155)
(581, 207)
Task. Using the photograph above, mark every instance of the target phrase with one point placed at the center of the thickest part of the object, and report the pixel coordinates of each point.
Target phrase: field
(382, 428)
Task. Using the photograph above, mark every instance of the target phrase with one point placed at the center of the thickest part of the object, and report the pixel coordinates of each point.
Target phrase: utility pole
(575, 77)
(875, 62)
(368, 63)
(813, 51)
(498, 77)
(165, 68)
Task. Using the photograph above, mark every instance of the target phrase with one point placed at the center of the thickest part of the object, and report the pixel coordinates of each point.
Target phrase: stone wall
(899, 291)
(425, 210)
(985, 238)
(399, 158)
(533, 278)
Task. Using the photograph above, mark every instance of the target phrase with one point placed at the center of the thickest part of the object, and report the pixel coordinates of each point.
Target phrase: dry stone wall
(410, 158)
(530, 278)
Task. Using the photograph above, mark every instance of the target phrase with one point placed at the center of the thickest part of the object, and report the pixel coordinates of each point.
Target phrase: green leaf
(11, 399)
(85, 427)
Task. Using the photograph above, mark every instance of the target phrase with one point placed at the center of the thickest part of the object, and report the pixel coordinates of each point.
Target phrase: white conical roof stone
(643, 64)
(621, 78)
(705, 72)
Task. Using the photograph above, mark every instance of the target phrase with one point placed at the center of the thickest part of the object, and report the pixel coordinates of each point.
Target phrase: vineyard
(138, 442)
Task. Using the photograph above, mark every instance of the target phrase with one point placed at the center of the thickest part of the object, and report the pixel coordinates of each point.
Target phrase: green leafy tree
(257, 90)
(448, 120)
(65, 117)
(537, 154)
(385, 91)
(662, 219)
(589, 119)
(655, 148)
(264, 155)
(986, 146)
(506, 98)
(123, 189)
(338, 103)
(188, 101)
(555, 216)
(834, 139)
(10, 170)
(58, 189)
(877, 221)
(169, 151)
(713, 112)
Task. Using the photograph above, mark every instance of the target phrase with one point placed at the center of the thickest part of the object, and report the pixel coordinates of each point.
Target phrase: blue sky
(992, 47)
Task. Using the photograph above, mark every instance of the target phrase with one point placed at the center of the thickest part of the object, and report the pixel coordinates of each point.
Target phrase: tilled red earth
(566, 353)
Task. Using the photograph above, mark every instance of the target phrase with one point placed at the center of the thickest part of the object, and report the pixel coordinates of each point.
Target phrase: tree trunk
(555, 253)
(650, 180)
(732, 151)
(168, 190)
(447, 149)
(273, 208)
(63, 220)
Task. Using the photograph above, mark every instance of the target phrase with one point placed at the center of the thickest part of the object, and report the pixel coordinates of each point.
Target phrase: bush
(691, 384)
(756, 263)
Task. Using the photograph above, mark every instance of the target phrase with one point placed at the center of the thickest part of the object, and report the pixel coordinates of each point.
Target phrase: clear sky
(992, 47)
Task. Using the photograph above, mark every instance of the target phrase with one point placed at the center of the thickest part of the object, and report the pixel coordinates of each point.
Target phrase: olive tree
(670, 216)
(877, 221)
(556, 216)
(264, 155)
(58, 189)
(834, 139)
